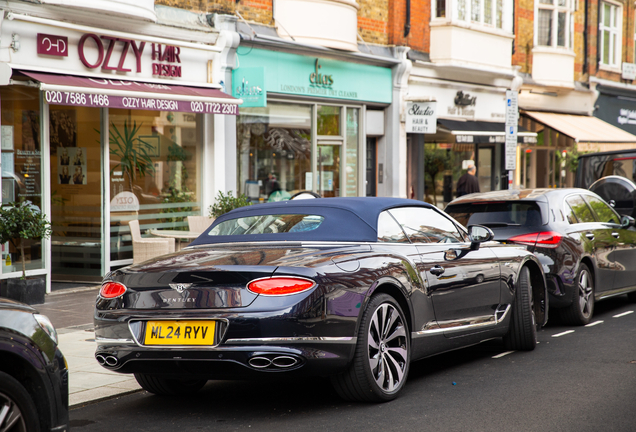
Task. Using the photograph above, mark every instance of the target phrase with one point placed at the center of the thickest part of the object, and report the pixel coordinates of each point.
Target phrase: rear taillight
(546, 239)
(280, 285)
(112, 290)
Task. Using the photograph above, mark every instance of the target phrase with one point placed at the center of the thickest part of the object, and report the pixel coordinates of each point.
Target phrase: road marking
(563, 334)
(502, 354)
(623, 314)
(594, 323)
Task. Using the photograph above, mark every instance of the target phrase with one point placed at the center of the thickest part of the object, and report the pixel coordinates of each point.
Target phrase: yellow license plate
(179, 333)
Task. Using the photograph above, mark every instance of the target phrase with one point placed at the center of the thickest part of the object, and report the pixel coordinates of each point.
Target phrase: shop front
(470, 131)
(304, 124)
(550, 161)
(616, 105)
(101, 127)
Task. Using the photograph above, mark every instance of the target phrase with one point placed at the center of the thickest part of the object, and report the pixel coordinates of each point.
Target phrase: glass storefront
(76, 192)
(21, 166)
(153, 155)
(274, 151)
(276, 148)
(443, 166)
(154, 170)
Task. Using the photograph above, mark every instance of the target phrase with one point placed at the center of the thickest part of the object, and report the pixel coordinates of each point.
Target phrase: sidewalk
(71, 312)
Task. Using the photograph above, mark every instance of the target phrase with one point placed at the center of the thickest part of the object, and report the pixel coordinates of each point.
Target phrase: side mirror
(479, 234)
(627, 221)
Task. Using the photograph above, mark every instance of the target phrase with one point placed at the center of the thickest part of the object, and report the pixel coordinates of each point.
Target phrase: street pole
(512, 121)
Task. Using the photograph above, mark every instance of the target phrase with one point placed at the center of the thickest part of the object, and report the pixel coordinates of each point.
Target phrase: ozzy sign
(421, 117)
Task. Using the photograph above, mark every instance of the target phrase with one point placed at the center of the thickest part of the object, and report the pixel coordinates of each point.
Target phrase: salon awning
(583, 129)
(482, 132)
(115, 93)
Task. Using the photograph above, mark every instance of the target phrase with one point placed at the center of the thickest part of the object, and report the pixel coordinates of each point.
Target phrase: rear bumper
(251, 345)
(303, 358)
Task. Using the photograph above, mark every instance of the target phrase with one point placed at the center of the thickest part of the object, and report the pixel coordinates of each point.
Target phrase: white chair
(148, 248)
(198, 224)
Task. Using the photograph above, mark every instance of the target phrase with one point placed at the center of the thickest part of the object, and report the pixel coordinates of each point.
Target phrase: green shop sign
(286, 73)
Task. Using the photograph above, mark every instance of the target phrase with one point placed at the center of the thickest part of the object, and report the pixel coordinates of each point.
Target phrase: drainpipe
(586, 63)
(407, 25)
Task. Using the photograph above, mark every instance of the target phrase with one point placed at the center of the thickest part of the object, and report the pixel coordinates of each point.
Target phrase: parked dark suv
(33, 372)
(587, 250)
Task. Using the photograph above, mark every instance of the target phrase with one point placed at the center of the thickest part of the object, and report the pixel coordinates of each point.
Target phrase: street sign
(512, 119)
(421, 117)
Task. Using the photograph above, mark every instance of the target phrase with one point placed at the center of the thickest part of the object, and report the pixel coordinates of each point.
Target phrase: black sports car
(33, 372)
(351, 288)
(588, 251)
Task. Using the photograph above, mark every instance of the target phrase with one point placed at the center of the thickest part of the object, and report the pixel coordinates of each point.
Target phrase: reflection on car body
(350, 288)
(33, 373)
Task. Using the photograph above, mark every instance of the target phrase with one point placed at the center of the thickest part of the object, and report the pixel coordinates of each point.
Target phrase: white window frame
(616, 43)
(452, 14)
(568, 9)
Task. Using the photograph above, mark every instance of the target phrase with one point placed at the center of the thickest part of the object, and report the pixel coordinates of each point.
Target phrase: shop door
(372, 160)
(485, 166)
(76, 194)
(329, 159)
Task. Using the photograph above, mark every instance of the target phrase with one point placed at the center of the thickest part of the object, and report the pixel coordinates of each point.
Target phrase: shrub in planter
(226, 203)
(19, 222)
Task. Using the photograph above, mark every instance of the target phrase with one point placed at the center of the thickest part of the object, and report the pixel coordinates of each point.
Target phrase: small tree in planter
(226, 203)
(23, 221)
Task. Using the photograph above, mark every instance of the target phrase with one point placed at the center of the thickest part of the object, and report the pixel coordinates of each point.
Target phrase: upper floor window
(610, 34)
(555, 23)
(489, 13)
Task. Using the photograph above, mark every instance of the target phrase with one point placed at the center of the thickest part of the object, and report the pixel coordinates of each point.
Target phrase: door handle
(590, 236)
(615, 235)
(437, 270)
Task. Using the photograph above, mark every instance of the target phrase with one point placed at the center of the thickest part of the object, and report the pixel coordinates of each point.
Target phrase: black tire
(376, 353)
(631, 297)
(522, 333)
(582, 308)
(169, 386)
(21, 414)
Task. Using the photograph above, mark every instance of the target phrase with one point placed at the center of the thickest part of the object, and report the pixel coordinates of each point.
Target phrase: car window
(267, 224)
(569, 214)
(497, 214)
(603, 211)
(389, 231)
(424, 225)
(580, 208)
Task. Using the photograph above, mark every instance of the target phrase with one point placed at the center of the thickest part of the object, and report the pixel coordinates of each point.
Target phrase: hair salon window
(154, 172)
(21, 165)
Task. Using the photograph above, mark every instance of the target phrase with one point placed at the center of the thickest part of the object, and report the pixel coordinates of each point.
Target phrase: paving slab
(71, 312)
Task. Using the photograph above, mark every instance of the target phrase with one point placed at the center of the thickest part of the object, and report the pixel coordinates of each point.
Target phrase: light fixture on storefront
(15, 42)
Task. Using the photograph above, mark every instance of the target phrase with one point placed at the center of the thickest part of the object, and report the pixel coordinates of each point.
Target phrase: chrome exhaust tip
(259, 362)
(111, 361)
(284, 361)
(100, 359)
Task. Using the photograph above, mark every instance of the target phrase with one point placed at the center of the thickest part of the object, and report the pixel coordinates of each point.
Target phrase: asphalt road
(580, 381)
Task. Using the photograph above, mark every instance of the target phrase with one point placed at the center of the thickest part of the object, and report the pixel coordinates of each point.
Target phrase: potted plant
(226, 203)
(19, 222)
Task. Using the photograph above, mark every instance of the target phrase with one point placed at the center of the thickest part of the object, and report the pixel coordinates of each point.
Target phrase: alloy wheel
(11, 418)
(585, 294)
(387, 347)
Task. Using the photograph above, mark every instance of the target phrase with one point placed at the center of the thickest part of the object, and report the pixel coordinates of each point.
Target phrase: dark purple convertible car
(350, 288)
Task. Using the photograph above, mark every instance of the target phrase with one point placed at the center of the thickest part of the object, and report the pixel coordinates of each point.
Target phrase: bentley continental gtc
(348, 288)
